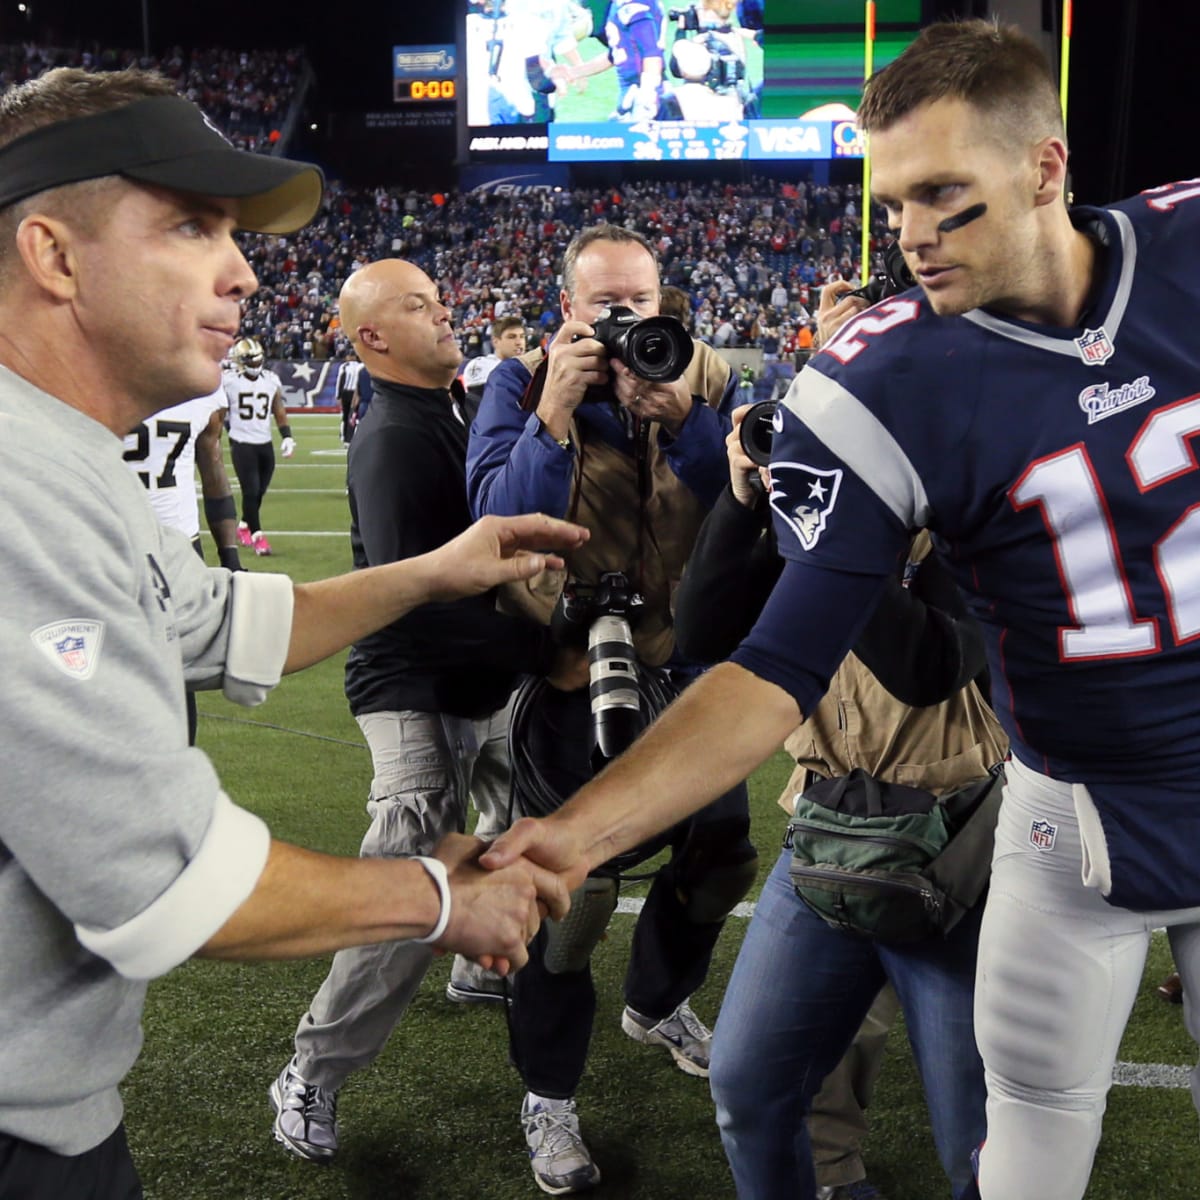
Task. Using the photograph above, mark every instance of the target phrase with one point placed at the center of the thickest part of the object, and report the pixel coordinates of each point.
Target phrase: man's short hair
(674, 302)
(599, 233)
(501, 325)
(996, 69)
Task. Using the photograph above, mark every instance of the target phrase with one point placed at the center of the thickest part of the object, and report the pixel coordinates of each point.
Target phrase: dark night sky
(1130, 111)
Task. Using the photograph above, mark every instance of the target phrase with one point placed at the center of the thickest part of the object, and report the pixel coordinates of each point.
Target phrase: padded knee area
(1042, 1003)
(570, 942)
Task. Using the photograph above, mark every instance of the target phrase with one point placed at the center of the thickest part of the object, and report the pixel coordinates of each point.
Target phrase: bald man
(429, 691)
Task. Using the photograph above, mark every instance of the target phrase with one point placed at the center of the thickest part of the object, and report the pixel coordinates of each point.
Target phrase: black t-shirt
(407, 483)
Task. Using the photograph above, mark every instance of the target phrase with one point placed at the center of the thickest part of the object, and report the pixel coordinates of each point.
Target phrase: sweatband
(437, 872)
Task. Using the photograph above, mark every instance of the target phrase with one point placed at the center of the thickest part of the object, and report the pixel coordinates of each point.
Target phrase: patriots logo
(803, 498)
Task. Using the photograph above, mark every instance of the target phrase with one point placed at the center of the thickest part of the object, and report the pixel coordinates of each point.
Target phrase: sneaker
(305, 1116)
(1171, 989)
(243, 534)
(862, 1190)
(261, 546)
(683, 1033)
(471, 984)
(560, 1161)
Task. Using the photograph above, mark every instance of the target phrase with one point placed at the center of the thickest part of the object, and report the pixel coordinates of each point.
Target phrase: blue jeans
(798, 994)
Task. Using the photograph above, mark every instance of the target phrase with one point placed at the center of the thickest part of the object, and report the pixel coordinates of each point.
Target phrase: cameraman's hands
(837, 307)
(742, 470)
(571, 368)
(666, 403)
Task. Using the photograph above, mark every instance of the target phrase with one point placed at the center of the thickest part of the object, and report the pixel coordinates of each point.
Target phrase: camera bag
(890, 862)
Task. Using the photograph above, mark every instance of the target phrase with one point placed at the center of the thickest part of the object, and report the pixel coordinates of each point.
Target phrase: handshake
(495, 896)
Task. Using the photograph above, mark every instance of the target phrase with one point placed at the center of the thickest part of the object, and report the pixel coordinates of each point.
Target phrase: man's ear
(372, 339)
(48, 250)
(1051, 179)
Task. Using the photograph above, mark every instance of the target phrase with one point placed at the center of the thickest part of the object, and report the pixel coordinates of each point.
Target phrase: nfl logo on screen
(1042, 835)
(1094, 347)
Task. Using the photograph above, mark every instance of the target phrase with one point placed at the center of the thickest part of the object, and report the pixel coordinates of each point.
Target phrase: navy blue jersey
(633, 32)
(1055, 468)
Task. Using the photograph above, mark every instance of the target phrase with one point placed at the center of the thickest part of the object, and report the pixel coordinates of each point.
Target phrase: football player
(1033, 403)
(164, 453)
(254, 395)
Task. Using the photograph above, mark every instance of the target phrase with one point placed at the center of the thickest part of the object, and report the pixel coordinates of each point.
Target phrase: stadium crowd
(752, 256)
(246, 95)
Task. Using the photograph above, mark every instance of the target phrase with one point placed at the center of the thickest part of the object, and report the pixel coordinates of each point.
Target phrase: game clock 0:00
(425, 89)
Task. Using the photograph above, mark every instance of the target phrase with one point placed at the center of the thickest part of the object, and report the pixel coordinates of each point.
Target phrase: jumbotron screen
(663, 80)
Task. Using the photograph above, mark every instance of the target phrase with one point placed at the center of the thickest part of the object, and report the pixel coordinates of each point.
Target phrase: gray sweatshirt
(119, 853)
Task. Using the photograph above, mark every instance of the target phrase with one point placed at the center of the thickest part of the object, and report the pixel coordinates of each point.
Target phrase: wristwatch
(564, 443)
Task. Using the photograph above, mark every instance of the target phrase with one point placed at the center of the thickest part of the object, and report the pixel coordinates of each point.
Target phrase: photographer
(775, 1046)
(638, 463)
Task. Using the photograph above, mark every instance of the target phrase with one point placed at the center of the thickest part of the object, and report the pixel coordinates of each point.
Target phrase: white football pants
(1058, 971)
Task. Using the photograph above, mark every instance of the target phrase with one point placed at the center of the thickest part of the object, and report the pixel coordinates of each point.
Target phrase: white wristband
(437, 872)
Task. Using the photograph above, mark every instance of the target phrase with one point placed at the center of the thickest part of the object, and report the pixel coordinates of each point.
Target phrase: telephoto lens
(613, 688)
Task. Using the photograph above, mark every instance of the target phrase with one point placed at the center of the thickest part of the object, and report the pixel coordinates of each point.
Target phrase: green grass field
(436, 1116)
(597, 99)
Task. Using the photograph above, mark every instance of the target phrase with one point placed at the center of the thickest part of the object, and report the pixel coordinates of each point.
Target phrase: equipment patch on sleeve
(804, 497)
(72, 646)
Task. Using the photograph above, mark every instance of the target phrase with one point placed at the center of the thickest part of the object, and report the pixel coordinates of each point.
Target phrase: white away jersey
(162, 454)
(250, 405)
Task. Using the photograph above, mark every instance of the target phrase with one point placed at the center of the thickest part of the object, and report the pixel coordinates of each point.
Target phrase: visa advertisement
(683, 141)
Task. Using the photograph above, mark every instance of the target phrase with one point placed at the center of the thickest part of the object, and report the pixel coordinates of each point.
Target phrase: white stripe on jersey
(856, 436)
(250, 405)
(161, 452)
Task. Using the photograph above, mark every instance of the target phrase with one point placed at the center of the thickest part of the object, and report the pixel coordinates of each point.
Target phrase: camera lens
(658, 349)
(757, 431)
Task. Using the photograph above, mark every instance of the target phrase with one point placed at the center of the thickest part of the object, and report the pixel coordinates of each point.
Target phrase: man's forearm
(345, 902)
(709, 739)
(331, 614)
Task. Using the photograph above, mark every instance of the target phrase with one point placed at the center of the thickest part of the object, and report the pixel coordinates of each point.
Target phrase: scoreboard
(424, 74)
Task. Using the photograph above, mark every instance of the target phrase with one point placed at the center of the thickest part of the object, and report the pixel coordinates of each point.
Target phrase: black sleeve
(920, 643)
(730, 573)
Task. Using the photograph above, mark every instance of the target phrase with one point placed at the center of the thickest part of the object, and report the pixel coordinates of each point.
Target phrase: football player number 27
(181, 431)
(1065, 487)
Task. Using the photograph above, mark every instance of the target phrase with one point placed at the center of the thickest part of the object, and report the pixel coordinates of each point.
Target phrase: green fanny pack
(890, 862)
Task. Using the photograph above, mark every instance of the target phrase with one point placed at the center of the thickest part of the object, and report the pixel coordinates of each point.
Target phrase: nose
(242, 280)
(918, 228)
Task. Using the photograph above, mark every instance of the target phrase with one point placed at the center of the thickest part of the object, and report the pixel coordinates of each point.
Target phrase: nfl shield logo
(1094, 347)
(72, 646)
(1042, 835)
(71, 653)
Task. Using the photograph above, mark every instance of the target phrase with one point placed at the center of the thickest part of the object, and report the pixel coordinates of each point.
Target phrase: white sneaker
(471, 984)
(305, 1116)
(560, 1161)
(683, 1033)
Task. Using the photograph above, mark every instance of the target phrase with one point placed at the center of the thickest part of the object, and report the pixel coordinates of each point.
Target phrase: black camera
(602, 613)
(896, 277)
(688, 18)
(757, 431)
(657, 349)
